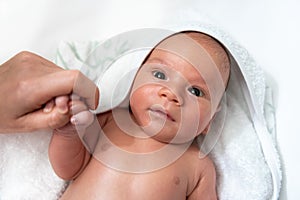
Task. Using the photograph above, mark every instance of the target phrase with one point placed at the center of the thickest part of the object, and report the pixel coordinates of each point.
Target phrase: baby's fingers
(83, 119)
(57, 119)
(77, 106)
(62, 104)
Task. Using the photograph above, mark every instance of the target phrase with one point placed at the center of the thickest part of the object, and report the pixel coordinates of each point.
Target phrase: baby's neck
(133, 142)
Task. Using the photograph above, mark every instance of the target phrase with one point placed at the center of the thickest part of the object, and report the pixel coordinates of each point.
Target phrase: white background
(269, 29)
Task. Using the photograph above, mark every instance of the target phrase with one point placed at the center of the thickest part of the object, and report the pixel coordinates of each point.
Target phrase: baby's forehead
(210, 44)
(200, 50)
(205, 43)
(194, 47)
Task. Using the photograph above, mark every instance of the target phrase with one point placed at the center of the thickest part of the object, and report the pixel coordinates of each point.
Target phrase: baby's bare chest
(101, 182)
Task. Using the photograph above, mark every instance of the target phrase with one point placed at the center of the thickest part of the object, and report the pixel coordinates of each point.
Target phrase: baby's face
(177, 90)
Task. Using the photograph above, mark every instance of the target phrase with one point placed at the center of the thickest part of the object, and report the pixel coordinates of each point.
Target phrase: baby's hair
(216, 49)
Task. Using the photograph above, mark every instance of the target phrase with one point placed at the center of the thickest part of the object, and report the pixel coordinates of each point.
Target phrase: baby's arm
(67, 154)
(206, 187)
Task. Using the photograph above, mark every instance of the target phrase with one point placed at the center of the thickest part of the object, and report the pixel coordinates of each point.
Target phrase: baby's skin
(189, 177)
(171, 103)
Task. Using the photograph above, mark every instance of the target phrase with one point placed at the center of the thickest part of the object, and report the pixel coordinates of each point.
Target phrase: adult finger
(41, 120)
(60, 83)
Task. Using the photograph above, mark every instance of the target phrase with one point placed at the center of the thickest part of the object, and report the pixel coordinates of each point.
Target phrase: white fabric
(25, 171)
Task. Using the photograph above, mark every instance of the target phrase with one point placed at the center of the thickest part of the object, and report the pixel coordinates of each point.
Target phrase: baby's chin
(165, 131)
(169, 137)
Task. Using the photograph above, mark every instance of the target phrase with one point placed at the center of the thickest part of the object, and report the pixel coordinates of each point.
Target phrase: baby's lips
(163, 111)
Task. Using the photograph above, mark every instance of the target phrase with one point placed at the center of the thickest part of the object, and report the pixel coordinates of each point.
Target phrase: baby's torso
(102, 179)
(100, 182)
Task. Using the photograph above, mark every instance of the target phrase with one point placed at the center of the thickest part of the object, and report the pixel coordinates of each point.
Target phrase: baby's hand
(69, 112)
(81, 116)
(59, 110)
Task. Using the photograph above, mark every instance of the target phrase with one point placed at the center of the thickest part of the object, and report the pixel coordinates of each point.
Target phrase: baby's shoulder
(201, 163)
(202, 173)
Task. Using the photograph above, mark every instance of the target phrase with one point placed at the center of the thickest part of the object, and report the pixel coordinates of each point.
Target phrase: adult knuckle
(26, 61)
(25, 56)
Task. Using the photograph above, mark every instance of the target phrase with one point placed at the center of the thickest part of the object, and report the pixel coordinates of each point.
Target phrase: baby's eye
(196, 91)
(159, 75)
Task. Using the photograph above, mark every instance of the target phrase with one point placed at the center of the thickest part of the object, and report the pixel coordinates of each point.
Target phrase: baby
(174, 97)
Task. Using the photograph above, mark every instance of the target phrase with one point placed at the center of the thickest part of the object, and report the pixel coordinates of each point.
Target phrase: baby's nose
(170, 96)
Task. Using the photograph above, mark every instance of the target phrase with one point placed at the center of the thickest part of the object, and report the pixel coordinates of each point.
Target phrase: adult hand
(28, 82)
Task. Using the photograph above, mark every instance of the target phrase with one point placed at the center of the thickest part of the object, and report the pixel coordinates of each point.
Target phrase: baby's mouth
(161, 112)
